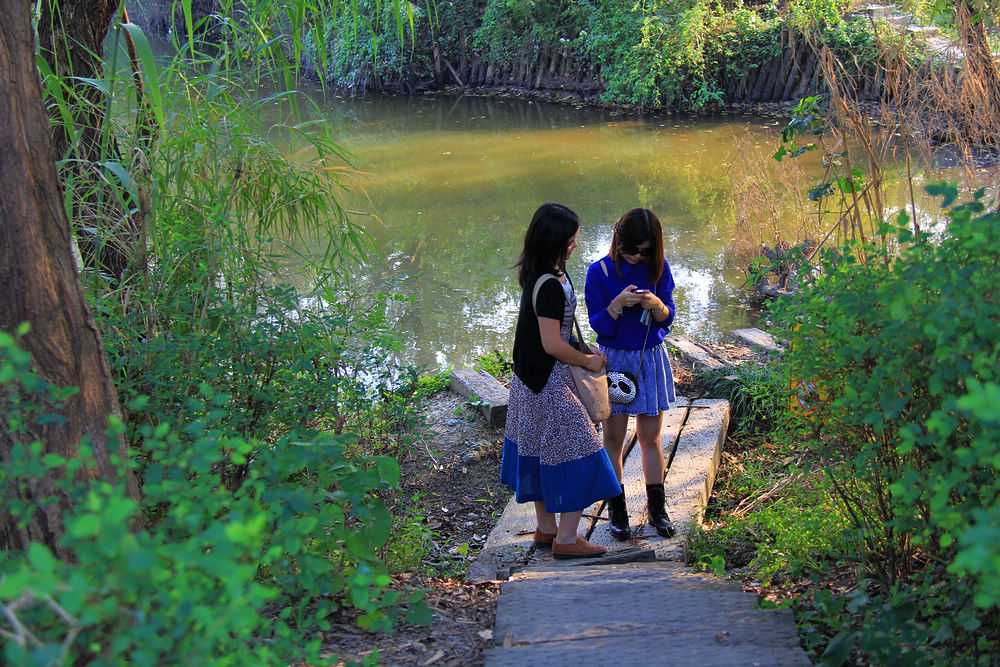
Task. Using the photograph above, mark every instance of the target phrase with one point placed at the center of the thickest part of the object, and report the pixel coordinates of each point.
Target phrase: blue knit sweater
(626, 332)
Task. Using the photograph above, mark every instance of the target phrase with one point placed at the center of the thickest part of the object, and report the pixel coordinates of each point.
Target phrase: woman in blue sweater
(629, 295)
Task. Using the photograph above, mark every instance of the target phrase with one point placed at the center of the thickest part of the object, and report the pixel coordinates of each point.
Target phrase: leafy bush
(651, 53)
(219, 573)
(496, 364)
(757, 393)
(903, 349)
(372, 45)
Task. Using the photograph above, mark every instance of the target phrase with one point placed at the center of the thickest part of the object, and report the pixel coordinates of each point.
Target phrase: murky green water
(454, 183)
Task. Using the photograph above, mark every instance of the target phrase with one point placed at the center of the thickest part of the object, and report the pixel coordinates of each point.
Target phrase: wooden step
(648, 613)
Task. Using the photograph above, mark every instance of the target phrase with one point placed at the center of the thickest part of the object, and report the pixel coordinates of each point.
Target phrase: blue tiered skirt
(551, 450)
(655, 381)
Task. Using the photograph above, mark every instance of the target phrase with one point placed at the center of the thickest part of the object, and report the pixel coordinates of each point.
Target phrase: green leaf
(41, 558)
(838, 651)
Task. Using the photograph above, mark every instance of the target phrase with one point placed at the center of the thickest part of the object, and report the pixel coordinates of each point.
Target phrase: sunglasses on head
(636, 250)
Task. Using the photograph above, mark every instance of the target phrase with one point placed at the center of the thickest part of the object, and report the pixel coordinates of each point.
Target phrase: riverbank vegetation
(238, 499)
(695, 54)
(863, 501)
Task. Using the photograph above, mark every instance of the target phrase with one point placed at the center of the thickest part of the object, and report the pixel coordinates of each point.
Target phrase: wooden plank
(756, 338)
(583, 608)
(511, 542)
(635, 486)
(695, 354)
(652, 646)
(667, 576)
(492, 395)
(692, 473)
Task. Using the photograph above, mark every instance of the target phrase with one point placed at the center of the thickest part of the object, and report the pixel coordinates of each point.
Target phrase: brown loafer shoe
(543, 539)
(580, 549)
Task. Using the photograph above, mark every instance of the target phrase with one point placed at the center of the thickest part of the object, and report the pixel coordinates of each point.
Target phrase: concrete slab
(691, 475)
(491, 395)
(635, 485)
(637, 613)
(695, 354)
(757, 338)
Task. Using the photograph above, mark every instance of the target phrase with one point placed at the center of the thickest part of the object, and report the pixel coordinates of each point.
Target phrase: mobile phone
(640, 291)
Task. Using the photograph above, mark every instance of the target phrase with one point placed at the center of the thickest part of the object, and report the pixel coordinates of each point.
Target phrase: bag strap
(649, 325)
(579, 337)
(534, 305)
(534, 293)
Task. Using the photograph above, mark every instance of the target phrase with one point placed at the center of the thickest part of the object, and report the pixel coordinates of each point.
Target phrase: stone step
(692, 439)
(490, 396)
(753, 337)
(694, 354)
(658, 613)
(649, 647)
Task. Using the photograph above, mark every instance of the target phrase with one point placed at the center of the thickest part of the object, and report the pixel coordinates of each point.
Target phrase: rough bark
(42, 287)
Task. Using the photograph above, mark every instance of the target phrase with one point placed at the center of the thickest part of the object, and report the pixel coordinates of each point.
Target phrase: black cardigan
(532, 364)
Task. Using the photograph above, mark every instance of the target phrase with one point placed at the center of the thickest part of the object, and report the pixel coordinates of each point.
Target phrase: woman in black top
(552, 453)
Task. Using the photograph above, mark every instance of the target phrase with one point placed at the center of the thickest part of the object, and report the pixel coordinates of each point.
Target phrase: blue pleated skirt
(655, 381)
(551, 449)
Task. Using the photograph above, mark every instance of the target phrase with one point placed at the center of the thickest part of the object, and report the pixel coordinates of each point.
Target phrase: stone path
(638, 604)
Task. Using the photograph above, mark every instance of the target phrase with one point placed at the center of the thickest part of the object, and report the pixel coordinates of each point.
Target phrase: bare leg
(569, 522)
(614, 440)
(648, 430)
(546, 520)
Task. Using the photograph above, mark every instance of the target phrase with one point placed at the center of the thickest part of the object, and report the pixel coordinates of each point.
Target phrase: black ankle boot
(618, 515)
(657, 510)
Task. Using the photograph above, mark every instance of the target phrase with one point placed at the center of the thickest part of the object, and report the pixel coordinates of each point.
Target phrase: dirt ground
(455, 469)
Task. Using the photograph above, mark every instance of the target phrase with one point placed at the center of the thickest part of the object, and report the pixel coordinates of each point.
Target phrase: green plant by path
(903, 349)
(757, 393)
(222, 572)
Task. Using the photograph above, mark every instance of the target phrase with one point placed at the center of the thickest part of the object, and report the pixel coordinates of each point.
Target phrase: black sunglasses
(636, 250)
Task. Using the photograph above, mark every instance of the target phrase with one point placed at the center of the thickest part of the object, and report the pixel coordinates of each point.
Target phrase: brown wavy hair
(637, 226)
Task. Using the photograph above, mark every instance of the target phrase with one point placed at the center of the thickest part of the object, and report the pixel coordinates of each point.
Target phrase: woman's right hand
(595, 362)
(626, 298)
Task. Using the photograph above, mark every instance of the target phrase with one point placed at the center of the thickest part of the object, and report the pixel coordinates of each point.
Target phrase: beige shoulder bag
(592, 386)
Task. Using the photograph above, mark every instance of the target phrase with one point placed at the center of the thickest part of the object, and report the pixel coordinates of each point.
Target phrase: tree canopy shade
(42, 287)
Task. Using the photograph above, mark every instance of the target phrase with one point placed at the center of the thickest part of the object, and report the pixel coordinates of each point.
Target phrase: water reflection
(454, 182)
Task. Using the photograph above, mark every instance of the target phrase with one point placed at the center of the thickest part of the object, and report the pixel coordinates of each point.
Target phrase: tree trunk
(42, 287)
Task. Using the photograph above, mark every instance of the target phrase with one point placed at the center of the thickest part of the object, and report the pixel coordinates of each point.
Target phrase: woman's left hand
(650, 301)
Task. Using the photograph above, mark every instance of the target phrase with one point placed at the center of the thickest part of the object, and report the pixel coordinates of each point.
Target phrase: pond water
(454, 182)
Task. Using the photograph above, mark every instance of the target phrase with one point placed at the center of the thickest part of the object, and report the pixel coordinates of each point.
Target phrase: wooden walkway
(692, 439)
(638, 604)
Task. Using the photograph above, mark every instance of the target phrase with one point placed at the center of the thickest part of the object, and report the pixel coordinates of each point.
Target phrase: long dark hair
(546, 240)
(636, 226)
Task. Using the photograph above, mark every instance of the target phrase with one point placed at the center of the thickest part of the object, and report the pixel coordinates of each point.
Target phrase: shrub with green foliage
(222, 573)
(902, 340)
(649, 53)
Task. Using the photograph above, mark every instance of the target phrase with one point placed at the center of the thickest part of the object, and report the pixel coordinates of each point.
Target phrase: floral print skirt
(552, 451)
